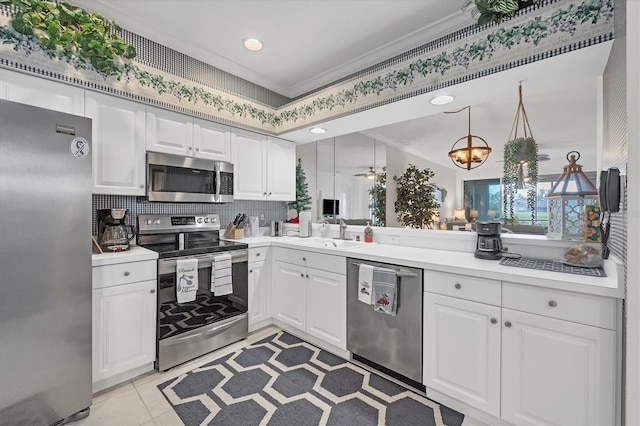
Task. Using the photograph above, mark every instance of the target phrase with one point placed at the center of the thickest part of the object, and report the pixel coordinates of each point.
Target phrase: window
(483, 198)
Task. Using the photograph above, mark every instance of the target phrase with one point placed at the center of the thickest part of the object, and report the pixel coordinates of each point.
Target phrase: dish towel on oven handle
(365, 283)
(186, 280)
(221, 283)
(385, 291)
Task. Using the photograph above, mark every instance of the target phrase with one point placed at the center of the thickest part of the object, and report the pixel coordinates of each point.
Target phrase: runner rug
(282, 380)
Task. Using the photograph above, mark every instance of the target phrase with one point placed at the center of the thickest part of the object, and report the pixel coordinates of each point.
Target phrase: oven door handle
(204, 259)
(207, 333)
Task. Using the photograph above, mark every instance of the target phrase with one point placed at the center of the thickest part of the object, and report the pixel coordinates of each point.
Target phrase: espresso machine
(113, 232)
(489, 244)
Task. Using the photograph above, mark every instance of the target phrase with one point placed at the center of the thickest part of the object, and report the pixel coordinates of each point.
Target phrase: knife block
(233, 232)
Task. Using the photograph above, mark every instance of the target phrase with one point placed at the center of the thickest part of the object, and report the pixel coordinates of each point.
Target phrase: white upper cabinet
(264, 168)
(36, 91)
(249, 157)
(169, 132)
(281, 170)
(211, 140)
(118, 135)
(173, 133)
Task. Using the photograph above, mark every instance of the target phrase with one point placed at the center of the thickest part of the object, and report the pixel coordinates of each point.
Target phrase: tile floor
(138, 402)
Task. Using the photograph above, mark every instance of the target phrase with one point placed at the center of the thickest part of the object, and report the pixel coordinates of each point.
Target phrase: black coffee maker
(113, 232)
(489, 244)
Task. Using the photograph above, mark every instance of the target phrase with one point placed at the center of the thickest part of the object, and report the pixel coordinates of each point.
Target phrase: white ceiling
(307, 43)
(311, 43)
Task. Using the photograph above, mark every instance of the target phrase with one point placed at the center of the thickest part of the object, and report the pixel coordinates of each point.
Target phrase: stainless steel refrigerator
(45, 265)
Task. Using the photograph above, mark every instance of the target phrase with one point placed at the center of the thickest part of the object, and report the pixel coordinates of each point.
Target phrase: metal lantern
(567, 200)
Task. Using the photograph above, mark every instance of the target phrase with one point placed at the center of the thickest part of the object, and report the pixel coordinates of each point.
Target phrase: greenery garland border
(566, 20)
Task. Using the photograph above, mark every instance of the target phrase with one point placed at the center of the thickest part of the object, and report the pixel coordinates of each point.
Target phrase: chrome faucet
(343, 230)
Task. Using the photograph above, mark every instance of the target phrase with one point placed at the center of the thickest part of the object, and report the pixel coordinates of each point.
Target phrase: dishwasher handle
(400, 272)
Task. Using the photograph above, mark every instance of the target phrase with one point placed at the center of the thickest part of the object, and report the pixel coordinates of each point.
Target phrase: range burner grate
(551, 265)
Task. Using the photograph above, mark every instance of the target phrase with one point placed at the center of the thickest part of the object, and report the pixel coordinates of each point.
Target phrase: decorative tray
(552, 265)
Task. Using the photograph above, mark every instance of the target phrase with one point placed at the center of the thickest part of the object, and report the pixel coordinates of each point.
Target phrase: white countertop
(134, 254)
(465, 264)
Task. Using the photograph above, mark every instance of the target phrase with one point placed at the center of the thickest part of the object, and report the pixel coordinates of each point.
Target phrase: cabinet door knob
(302, 275)
(307, 275)
(269, 193)
(251, 271)
(189, 148)
(553, 303)
(141, 185)
(126, 273)
(304, 259)
(197, 149)
(153, 290)
(507, 323)
(264, 193)
(458, 286)
(494, 321)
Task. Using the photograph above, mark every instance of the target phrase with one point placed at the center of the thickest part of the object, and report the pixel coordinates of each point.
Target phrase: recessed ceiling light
(252, 44)
(318, 130)
(442, 100)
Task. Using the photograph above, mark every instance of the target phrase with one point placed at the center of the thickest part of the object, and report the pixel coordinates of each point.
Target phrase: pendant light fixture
(466, 152)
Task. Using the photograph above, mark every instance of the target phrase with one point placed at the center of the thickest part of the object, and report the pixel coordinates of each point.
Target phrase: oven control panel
(178, 223)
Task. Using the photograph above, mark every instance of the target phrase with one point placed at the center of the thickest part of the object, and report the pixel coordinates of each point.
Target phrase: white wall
(632, 375)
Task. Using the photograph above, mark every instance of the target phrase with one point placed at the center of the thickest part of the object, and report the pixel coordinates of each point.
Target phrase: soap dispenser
(368, 234)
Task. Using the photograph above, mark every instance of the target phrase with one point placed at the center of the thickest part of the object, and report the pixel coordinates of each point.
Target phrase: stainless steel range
(188, 329)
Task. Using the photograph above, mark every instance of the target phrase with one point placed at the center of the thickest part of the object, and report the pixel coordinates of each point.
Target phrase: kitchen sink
(328, 242)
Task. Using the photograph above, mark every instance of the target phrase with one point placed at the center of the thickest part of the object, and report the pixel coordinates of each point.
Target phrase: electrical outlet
(262, 219)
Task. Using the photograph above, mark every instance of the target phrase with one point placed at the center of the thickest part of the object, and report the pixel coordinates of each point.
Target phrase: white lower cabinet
(258, 287)
(462, 350)
(534, 356)
(311, 299)
(556, 372)
(124, 322)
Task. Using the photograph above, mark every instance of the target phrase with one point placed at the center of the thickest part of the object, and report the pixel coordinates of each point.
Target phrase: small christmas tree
(302, 195)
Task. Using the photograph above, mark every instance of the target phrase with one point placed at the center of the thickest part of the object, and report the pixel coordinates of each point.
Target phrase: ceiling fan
(369, 174)
(541, 157)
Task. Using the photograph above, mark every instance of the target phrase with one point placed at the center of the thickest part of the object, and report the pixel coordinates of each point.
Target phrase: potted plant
(416, 205)
(303, 200)
(519, 154)
(500, 10)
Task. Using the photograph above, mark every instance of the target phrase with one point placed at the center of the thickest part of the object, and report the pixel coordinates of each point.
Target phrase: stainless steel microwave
(172, 178)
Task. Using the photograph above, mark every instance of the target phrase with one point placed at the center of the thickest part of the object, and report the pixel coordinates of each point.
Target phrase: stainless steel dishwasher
(390, 344)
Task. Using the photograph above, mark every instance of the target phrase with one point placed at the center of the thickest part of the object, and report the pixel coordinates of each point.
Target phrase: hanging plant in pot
(520, 167)
(416, 204)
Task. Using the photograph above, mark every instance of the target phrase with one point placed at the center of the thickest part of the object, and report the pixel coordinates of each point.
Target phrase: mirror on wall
(342, 173)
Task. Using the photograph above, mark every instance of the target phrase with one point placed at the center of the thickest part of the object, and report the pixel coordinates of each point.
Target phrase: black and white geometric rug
(282, 380)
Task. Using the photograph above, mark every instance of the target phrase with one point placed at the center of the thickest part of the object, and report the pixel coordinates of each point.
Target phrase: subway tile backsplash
(272, 210)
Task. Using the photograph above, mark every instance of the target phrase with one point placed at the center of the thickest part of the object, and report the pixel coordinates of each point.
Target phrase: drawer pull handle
(553, 303)
(153, 290)
(507, 323)
(126, 273)
(494, 321)
(458, 286)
